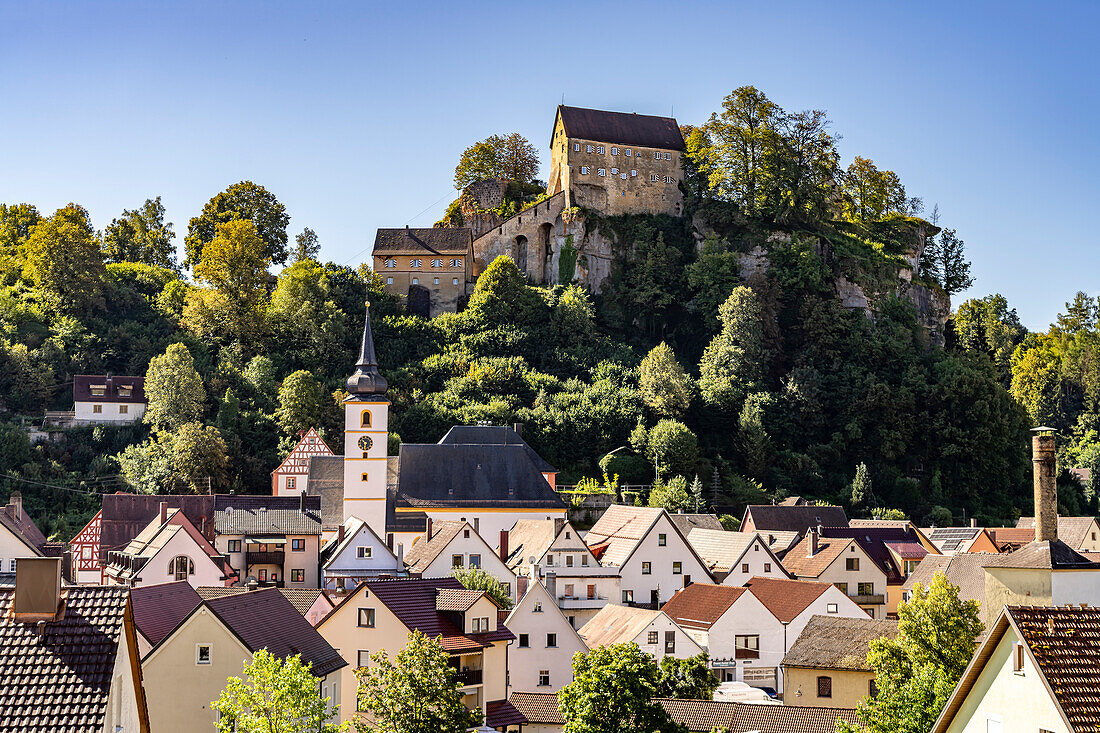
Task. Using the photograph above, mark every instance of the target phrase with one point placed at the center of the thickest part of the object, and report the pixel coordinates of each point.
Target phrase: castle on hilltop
(605, 162)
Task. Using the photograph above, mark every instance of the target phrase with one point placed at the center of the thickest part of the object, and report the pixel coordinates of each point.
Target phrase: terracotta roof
(908, 550)
(458, 600)
(265, 619)
(414, 604)
(616, 624)
(719, 549)
(687, 522)
(700, 605)
(1011, 538)
(1056, 555)
(703, 716)
(797, 562)
(424, 552)
(62, 681)
(437, 240)
(780, 542)
(528, 538)
(279, 515)
(114, 386)
(963, 570)
(159, 608)
(872, 540)
(1074, 531)
(767, 518)
(618, 531)
(621, 127)
(786, 598)
(301, 598)
(837, 642)
(500, 713)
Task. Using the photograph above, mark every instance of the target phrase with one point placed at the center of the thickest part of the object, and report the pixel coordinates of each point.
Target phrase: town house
(843, 562)
(734, 558)
(448, 546)
(655, 632)
(541, 657)
(169, 548)
(827, 666)
(272, 539)
(356, 554)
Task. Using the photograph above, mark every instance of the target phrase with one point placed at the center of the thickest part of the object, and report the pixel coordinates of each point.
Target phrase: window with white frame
(601, 172)
(437, 263)
(363, 658)
(390, 262)
(599, 149)
(627, 152)
(544, 678)
(454, 281)
(416, 262)
(584, 170)
(588, 148)
(577, 147)
(365, 552)
(668, 156)
(537, 608)
(203, 653)
(653, 637)
(656, 155)
(614, 171)
(614, 151)
(456, 262)
(179, 567)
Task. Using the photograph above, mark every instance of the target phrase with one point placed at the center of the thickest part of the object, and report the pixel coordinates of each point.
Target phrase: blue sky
(355, 113)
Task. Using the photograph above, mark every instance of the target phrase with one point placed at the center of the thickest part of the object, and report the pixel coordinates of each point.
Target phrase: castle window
(416, 263)
(389, 281)
(577, 147)
(456, 263)
(437, 263)
(633, 174)
(614, 151)
(584, 170)
(654, 177)
(656, 155)
(391, 262)
(416, 281)
(436, 282)
(454, 281)
(588, 148)
(599, 149)
(623, 175)
(668, 179)
(614, 171)
(365, 421)
(627, 152)
(602, 172)
(668, 156)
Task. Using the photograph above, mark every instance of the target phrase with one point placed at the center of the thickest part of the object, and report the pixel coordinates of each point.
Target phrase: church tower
(366, 428)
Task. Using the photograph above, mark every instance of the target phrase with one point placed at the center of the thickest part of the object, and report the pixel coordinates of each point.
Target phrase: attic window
(125, 390)
(511, 491)
(1018, 658)
(98, 390)
(202, 653)
(451, 492)
(365, 552)
(466, 534)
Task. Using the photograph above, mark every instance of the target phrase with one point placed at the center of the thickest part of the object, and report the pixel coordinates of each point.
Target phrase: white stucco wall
(348, 562)
(1075, 586)
(489, 521)
(12, 547)
(122, 701)
(868, 572)
(661, 559)
(442, 566)
(292, 559)
(84, 412)
(685, 645)
(282, 484)
(762, 564)
(156, 570)
(524, 664)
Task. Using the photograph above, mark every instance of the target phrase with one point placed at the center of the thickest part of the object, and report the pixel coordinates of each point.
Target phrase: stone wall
(476, 203)
(533, 238)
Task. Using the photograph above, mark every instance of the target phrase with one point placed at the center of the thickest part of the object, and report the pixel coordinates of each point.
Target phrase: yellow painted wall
(849, 687)
(1014, 586)
(178, 690)
(1018, 700)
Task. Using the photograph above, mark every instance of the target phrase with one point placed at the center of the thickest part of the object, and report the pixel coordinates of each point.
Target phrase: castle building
(432, 267)
(616, 163)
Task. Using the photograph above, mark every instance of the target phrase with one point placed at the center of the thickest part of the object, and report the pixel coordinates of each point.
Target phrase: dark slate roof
(687, 522)
(265, 619)
(241, 514)
(61, 682)
(301, 598)
(16, 519)
(1056, 555)
(123, 516)
(766, 517)
(159, 608)
(835, 642)
(82, 388)
(450, 240)
(493, 435)
(326, 480)
(621, 127)
(461, 475)
(413, 602)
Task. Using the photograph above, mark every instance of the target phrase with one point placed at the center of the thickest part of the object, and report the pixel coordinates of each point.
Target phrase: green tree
(686, 679)
(672, 447)
(507, 157)
(173, 389)
(141, 235)
(65, 262)
(302, 403)
(944, 262)
(612, 692)
(755, 444)
(306, 246)
(664, 385)
(147, 467)
(989, 325)
(234, 263)
(478, 579)
(880, 512)
(696, 491)
(742, 137)
(414, 693)
(244, 200)
(870, 193)
(672, 495)
(198, 457)
(16, 223)
(861, 488)
(275, 696)
(736, 361)
(917, 671)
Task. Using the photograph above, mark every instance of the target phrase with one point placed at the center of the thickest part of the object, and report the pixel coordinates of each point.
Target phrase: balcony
(469, 677)
(266, 557)
(869, 600)
(582, 601)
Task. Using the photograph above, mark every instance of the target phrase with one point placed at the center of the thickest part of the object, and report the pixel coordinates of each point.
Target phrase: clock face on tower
(365, 443)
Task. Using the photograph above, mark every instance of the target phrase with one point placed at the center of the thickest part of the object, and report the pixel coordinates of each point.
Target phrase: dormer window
(125, 390)
(98, 390)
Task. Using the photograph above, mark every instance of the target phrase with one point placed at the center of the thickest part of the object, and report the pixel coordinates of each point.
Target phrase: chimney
(400, 556)
(252, 584)
(502, 550)
(521, 586)
(163, 512)
(37, 589)
(428, 529)
(813, 542)
(518, 427)
(974, 522)
(551, 584)
(340, 535)
(559, 525)
(302, 502)
(16, 504)
(1046, 491)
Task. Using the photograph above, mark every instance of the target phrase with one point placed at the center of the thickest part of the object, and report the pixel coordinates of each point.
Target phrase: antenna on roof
(563, 98)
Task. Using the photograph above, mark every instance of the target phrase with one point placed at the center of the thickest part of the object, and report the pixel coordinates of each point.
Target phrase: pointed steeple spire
(367, 382)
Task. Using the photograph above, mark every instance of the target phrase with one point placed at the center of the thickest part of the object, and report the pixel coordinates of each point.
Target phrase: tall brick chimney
(1046, 490)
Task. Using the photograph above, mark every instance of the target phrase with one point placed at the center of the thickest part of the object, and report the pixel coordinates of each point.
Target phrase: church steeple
(367, 383)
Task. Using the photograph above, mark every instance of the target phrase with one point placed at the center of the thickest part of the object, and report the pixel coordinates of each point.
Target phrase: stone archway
(519, 252)
(542, 253)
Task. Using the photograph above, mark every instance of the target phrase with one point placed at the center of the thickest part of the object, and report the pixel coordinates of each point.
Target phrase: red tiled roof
(159, 608)
(414, 604)
(457, 600)
(501, 713)
(538, 707)
(700, 605)
(908, 550)
(786, 598)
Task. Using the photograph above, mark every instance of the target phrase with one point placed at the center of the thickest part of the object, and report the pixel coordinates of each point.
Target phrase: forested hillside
(762, 384)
